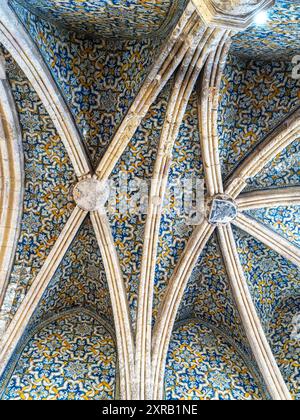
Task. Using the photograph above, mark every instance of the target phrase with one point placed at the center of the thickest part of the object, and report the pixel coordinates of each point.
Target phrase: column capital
(231, 14)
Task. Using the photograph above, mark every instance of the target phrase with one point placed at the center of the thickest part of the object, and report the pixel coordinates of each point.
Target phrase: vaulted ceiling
(131, 19)
(110, 90)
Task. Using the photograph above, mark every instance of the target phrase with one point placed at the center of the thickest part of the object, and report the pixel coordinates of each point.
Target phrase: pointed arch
(270, 238)
(12, 186)
(72, 324)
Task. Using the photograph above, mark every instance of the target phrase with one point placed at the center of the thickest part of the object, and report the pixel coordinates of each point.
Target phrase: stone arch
(11, 190)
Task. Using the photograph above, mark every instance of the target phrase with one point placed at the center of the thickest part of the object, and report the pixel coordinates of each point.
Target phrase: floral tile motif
(70, 358)
(98, 78)
(110, 18)
(208, 296)
(49, 177)
(79, 282)
(286, 348)
(175, 230)
(203, 365)
(283, 220)
(270, 277)
(137, 164)
(282, 171)
(278, 39)
(255, 98)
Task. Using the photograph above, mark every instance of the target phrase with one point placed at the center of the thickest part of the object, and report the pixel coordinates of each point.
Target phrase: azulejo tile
(73, 357)
(278, 39)
(255, 98)
(208, 296)
(284, 345)
(99, 79)
(283, 171)
(203, 365)
(270, 277)
(282, 220)
(110, 18)
(79, 282)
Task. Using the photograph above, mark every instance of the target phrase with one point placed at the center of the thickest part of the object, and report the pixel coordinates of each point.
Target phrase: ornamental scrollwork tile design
(277, 40)
(70, 358)
(283, 220)
(255, 98)
(202, 365)
(110, 18)
(79, 282)
(98, 78)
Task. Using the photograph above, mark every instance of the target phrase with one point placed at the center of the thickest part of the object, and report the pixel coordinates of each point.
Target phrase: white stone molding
(124, 334)
(208, 104)
(277, 197)
(11, 185)
(269, 237)
(254, 330)
(185, 80)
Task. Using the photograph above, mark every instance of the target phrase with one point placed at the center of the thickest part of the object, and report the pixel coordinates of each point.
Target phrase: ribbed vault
(73, 110)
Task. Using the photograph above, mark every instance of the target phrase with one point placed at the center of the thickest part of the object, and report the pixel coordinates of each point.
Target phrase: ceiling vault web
(279, 197)
(21, 47)
(119, 303)
(192, 46)
(254, 330)
(268, 237)
(173, 53)
(286, 133)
